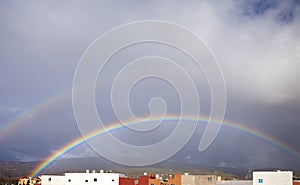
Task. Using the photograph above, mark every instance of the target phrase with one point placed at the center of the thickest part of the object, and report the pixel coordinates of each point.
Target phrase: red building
(126, 181)
(142, 180)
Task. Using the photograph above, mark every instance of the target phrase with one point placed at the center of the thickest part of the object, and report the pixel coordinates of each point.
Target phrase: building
(296, 182)
(174, 180)
(143, 180)
(126, 181)
(198, 179)
(53, 179)
(29, 181)
(273, 178)
(187, 179)
(150, 179)
(154, 180)
(92, 178)
(102, 178)
(96, 178)
(234, 182)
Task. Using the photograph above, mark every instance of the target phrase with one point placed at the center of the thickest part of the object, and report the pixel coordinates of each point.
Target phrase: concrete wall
(53, 180)
(273, 178)
(198, 179)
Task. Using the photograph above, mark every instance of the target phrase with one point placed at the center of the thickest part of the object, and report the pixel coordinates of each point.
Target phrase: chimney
(87, 171)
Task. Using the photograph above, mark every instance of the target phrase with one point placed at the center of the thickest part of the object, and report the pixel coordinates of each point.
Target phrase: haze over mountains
(18, 169)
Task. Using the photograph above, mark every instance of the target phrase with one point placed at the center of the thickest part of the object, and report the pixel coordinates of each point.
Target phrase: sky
(256, 43)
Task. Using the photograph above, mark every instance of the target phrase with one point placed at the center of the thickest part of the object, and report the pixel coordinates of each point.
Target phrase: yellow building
(29, 181)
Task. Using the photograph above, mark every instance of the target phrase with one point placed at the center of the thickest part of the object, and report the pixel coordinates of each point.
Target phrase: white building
(53, 179)
(234, 182)
(273, 178)
(93, 178)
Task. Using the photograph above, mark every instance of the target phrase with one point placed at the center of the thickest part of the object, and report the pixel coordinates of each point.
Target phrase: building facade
(92, 178)
(126, 181)
(296, 182)
(273, 178)
(234, 182)
(198, 179)
(29, 181)
(150, 179)
(53, 179)
(154, 180)
(174, 180)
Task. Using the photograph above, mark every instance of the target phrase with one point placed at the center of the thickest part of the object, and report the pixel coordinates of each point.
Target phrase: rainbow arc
(80, 140)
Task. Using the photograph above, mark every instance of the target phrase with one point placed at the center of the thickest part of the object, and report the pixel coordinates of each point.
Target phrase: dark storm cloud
(256, 42)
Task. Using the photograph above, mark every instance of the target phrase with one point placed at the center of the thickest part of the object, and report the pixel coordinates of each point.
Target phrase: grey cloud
(256, 43)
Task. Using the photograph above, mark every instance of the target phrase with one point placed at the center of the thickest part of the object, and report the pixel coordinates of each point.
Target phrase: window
(209, 179)
(136, 181)
(260, 180)
(69, 180)
(49, 179)
(151, 184)
(95, 179)
(86, 180)
(113, 180)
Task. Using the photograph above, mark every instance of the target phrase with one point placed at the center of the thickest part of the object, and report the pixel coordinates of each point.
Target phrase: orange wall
(154, 182)
(296, 183)
(176, 180)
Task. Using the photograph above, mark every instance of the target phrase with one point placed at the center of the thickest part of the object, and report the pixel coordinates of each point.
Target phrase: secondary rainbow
(13, 124)
(80, 140)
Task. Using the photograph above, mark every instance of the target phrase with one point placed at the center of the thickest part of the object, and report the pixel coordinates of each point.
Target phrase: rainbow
(14, 123)
(80, 140)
